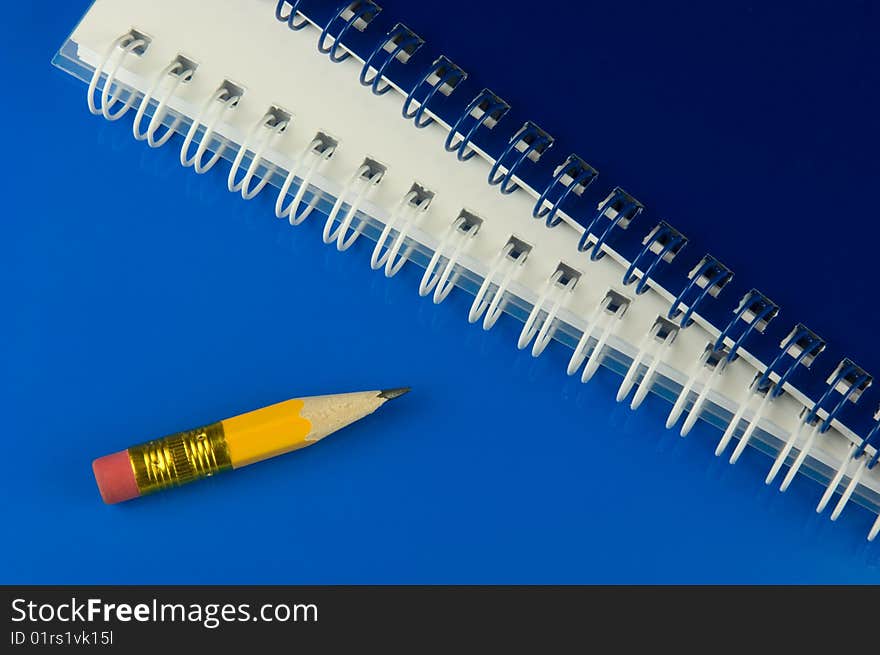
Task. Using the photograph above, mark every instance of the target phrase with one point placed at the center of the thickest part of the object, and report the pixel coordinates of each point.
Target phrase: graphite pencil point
(391, 394)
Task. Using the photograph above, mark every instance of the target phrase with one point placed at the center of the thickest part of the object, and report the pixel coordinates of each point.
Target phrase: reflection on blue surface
(142, 299)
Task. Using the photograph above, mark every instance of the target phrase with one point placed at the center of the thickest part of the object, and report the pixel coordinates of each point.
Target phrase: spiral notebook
(352, 119)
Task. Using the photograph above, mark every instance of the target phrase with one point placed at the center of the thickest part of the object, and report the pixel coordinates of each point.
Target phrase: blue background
(141, 299)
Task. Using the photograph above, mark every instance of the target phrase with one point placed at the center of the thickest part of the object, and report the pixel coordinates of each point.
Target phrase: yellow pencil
(231, 443)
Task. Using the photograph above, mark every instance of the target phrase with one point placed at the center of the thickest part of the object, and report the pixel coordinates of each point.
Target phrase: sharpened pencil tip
(391, 394)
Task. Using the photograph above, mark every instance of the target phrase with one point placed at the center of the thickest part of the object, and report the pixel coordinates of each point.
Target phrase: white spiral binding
(123, 46)
(782, 456)
(459, 234)
(365, 178)
(696, 376)
(701, 398)
(318, 152)
(751, 424)
(861, 457)
(272, 124)
(850, 488)
(177, 72)
(834, 483)
(402, 219)
(505, 266)
(605, 320)
(653, 347)
(542, 320)
(217, 104)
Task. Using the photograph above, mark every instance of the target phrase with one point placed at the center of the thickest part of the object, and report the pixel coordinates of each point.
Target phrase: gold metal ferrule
(180, 458)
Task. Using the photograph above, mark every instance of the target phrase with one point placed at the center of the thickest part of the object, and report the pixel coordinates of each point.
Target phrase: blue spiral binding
(493, 108)
(845, 369)
(536, 140)
(447, 73)
(627, 209)
(671, 242)
(873, 439)
(405, 41)
(718, 275)
(763, 310)
(363, 9)
(580, 175)
(290, 18)
(811, 346)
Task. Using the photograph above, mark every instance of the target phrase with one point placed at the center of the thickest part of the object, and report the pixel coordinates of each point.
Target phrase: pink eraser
(115, 477)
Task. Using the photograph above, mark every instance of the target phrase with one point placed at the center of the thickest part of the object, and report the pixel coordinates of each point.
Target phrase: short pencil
(231, 443)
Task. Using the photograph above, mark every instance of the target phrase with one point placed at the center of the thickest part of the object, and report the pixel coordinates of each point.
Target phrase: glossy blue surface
(142, 299)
